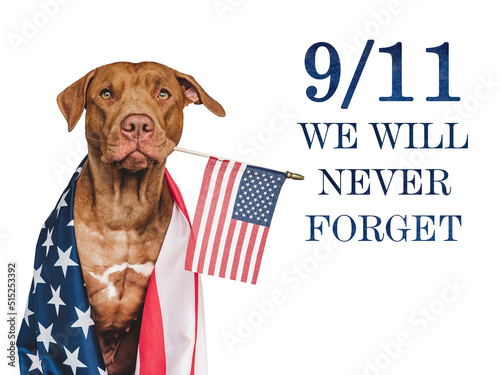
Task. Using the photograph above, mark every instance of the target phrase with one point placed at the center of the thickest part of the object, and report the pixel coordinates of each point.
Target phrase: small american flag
(232, 219)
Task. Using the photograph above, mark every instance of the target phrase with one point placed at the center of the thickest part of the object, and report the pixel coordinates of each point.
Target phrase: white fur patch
(144, 269)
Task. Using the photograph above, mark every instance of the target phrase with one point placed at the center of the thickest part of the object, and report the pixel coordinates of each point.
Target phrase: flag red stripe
(196, 278)
(237, 251)
(227, 248)
(222, 218)
(211, 214)
(151, 341)
(259, 255)
(248, 257)
(199, 211)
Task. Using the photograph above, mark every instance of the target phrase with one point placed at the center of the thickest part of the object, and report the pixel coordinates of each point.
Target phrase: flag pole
(293, 176)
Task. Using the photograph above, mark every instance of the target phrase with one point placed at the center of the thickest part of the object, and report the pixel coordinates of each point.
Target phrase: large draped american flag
(58, 335)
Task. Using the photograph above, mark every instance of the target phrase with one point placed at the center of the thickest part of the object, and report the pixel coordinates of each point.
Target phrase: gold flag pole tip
(294, 176)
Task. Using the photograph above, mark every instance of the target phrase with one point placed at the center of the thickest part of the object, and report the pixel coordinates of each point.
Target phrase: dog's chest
(116, 267)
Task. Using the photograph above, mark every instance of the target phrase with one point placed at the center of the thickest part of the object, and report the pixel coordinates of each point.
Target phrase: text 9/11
(396, 51)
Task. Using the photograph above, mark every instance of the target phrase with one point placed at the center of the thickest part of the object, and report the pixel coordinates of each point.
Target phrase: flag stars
(37, 278)
(36, 363)
(72, 360)
(27, 314)
(256, 193)
(64, 260)
(48, 242)
(62, 202)
(84, 321)
(56, 299)
(45, 336)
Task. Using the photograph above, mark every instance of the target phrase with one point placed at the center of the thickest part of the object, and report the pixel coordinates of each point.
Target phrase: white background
(345, 308)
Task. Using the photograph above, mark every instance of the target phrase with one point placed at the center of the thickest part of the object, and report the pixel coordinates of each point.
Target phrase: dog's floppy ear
(71, 101)
(194, 93)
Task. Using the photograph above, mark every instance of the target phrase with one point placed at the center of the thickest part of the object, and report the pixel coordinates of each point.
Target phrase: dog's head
(134, 111)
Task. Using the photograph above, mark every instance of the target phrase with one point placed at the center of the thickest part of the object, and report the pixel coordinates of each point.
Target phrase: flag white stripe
(176, 338)
(138, 362)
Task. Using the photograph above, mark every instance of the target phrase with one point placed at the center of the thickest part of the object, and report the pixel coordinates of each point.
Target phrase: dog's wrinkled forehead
(138, 79)
(118, 77)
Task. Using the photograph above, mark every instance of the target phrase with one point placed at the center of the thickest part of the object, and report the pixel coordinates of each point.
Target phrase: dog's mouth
(135, 161)
(122, 151)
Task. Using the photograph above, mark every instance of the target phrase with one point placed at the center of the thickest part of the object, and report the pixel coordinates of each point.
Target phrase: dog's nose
(137, 126)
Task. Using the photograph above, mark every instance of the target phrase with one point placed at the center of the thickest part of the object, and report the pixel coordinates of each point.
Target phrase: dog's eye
(163, 94)
(106, 94)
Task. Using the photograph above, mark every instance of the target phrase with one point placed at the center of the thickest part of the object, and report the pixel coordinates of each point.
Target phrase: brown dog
(122, 205)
